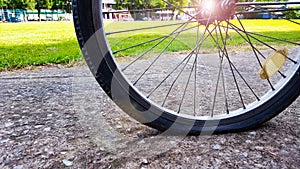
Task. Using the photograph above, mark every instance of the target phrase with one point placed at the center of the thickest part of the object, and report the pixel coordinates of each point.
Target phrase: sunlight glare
(209, 5)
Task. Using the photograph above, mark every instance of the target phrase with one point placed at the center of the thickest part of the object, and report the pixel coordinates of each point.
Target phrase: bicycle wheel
(197, 69)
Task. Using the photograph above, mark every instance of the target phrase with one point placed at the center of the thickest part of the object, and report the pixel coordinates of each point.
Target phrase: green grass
(26, 44)
(187, 40)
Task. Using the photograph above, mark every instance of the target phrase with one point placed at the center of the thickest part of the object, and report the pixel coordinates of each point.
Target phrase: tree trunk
(2, 14)
(39, 14)
(148, 15)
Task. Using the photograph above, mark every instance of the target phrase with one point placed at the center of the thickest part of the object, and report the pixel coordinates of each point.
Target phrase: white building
(107, 5)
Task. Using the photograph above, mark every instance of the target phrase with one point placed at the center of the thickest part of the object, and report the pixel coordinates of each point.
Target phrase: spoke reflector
(273, 63)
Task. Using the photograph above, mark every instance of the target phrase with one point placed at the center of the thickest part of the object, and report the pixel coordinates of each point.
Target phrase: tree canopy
(36, 4)
(144, 4)
(120, 4)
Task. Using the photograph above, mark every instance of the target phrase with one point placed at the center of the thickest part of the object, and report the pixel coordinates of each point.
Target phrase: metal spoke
(245, 4)
(249, 4)
(148, 50)
(145, 28)
(247, 84)
(237, 29)
(224, 90)
(217, 86)
(195, 74)
(265, 36)
(221, 67)
(231, 69)
(152, 40)
(221, 58)
(219, 71)
(259, 62)
(197, 48)
(179, 83)
(293, 21)
(255, 47)
(160, 54)
(189, 55)
(192, 52)
(180, 9)
(234, 67)
(267, 11)
(186, 85)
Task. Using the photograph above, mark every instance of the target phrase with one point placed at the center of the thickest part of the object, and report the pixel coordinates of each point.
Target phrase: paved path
(58, 117)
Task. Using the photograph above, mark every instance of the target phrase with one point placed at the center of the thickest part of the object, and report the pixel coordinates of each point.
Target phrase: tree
(139, 4)
(67, 5)
(14, 4)
(154, 4)
(176, 4)
(3, 3)
(18, 4)
(42, 4)
(29, 4)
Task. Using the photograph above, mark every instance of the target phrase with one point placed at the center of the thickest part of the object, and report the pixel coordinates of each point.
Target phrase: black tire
(106, 71)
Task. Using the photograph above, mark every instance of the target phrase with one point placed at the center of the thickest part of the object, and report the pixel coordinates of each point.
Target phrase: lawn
(26, 44)
(187, 40)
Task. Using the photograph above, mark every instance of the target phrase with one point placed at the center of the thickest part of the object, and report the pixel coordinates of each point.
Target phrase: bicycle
(205, 86)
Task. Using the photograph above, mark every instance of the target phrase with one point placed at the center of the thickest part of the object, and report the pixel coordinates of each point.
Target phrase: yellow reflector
(273, 63)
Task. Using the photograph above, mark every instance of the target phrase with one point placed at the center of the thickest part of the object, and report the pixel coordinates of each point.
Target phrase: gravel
(57, 117)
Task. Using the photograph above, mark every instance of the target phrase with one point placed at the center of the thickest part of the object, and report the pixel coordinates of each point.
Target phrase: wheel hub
(212, 10)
